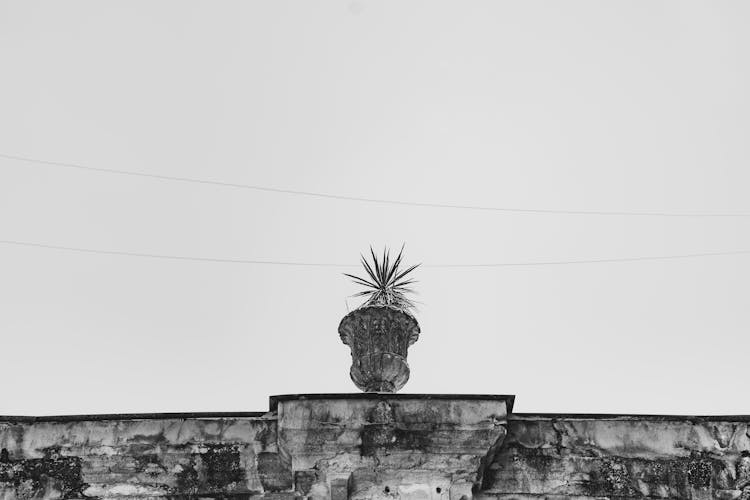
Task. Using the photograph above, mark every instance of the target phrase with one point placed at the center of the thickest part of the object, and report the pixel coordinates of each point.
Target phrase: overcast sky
(591, 106)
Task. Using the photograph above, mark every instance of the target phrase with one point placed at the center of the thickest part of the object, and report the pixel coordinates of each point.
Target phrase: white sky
(634, 106)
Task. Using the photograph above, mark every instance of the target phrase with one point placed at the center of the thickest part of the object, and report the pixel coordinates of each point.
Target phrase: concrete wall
(587, 457)
(141, 457)
(238, 455)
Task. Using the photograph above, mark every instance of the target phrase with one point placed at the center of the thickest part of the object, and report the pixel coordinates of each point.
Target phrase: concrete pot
(379, 338)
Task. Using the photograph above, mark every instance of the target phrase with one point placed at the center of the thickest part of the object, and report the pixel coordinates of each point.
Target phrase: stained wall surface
(140, 457)
(587, 457)
(238, 456)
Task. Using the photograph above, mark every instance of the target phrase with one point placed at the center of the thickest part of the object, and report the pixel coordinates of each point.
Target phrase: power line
(598, 261)
(170, 257)
(314, 194)
(318, 264)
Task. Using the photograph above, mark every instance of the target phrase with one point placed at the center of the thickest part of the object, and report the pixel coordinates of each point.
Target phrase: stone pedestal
(388, 446)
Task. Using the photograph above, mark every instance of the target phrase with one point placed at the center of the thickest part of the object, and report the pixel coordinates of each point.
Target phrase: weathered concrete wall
(141, 457)
(622, 457)
(319, 446)
(380, 447)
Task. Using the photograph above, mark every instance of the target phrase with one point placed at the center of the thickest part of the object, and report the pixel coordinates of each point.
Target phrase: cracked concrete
(386, 446)
(621, 457)
(376, 446)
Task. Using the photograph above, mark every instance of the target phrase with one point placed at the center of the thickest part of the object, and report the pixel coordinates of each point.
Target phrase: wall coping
(509, 399)
(273, 405)
(23, 419)
(627, 417)
(274, 400)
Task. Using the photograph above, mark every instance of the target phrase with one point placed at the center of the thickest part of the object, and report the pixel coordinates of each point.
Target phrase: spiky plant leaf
(386, 285)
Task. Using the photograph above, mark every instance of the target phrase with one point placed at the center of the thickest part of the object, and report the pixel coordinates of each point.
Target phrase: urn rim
(414, 327)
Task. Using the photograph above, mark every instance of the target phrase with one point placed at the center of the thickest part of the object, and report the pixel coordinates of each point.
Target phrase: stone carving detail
(379, 338)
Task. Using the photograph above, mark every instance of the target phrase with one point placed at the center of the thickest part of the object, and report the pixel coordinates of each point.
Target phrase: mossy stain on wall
(216, 468)
(35, 477)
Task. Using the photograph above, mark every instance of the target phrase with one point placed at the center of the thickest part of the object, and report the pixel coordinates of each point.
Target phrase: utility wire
(318, 264)
(169, 257)
(364, 199)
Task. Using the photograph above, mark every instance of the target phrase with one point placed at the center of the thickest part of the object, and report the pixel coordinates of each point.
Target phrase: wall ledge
(628, 417)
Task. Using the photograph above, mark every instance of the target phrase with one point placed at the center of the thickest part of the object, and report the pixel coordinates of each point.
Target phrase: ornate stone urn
(379, 337)
(380, 331)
